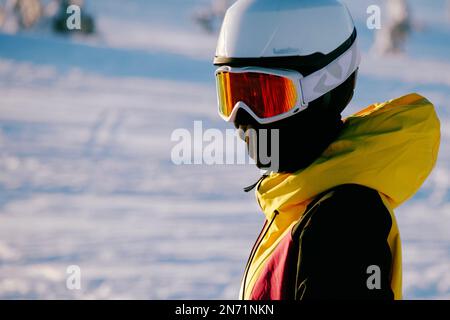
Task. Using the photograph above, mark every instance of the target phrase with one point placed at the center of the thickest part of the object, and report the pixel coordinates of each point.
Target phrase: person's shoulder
(351, 206)
(355, 193)
(411, 99)
(409, 103)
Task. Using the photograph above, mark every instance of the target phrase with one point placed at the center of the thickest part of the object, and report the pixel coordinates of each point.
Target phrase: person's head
(289, 65)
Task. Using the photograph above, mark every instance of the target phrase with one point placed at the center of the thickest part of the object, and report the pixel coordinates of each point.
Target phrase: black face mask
(301, 138)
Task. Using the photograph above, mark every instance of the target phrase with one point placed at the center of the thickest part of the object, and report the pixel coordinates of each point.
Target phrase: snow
(86, 177)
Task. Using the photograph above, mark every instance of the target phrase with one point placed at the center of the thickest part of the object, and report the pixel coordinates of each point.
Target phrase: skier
(330, 230)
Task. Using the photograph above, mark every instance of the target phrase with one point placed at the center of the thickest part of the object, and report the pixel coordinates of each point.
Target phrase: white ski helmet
(315, 37)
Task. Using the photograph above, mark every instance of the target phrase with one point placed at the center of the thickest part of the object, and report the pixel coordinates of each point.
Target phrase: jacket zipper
(255, 247)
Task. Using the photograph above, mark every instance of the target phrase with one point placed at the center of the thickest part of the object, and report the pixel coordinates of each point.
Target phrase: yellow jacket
(390, 147)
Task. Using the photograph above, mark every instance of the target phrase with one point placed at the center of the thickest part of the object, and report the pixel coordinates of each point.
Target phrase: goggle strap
(330, 77)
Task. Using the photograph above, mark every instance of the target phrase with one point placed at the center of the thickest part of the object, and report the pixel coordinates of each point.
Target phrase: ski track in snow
(86, 176)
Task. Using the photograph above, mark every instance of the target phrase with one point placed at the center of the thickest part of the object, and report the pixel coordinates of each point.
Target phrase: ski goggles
(267, 94)
(270, 95)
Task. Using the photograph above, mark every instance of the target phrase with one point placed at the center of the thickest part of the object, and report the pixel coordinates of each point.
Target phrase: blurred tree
(395, 28)
(19, 14)
(210, 18)
(16, 15)
(60, 21)
(30, 11)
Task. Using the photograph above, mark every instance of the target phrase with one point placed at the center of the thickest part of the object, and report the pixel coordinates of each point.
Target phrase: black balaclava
(304, 136)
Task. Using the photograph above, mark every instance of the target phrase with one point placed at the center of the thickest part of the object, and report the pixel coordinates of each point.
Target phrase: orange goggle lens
(265, 94)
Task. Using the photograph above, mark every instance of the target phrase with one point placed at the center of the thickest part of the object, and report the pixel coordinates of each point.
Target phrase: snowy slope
(85, 170)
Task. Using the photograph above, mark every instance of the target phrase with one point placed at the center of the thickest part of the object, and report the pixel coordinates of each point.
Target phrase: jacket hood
(390, 147)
